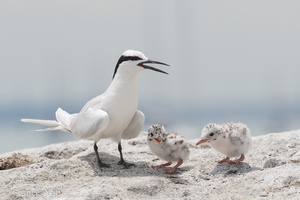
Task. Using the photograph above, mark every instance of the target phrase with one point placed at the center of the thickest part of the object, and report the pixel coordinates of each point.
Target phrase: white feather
(113, 114)
(135, 126)
(41, 122)
(87, 124)
(64, 118)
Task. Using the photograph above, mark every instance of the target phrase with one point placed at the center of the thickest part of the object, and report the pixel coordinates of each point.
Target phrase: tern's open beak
(202, 141)
(142, 64)
(157, 140)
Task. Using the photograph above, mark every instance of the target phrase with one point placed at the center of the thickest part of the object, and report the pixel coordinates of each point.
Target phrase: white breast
(235, 141)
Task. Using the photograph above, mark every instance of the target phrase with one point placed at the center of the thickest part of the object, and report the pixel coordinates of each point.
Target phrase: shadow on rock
(271, 163)
(141, 168)
(232, 169)
(64, 154)
(175, 179)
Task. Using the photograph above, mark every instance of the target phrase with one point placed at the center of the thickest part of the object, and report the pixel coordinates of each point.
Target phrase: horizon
(230, 60)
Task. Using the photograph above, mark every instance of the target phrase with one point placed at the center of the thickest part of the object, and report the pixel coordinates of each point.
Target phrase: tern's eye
(211, 134)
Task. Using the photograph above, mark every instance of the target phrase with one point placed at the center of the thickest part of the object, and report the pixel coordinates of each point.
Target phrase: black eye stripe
(126, 58)
(123, 59)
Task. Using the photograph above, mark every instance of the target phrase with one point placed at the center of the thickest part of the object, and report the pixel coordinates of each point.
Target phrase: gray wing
(174, 142)
(135, 126)
(86, 124)
(236, 137)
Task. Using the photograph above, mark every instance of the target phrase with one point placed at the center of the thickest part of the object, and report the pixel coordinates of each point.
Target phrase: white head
(210, 133)
(133, 61)
(156, 134)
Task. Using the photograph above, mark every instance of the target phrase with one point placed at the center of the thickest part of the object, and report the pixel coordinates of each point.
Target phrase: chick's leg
(237, 160)
(162, 165)
(173, 169)
(224, 160)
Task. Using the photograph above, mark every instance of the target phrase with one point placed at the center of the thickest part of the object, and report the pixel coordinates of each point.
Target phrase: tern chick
(168, 146)
(230, 139)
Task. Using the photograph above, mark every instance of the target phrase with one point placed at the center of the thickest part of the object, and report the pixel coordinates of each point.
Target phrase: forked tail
(62, 122)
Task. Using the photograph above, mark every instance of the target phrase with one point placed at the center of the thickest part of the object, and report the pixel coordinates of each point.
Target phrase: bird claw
(126, 164)
(162, 165)
(234, 161)
(227, 159)
(170, 171)
(222, 161)
(237, 161)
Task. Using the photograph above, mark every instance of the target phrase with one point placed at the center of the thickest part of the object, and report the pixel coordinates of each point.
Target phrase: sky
(230, 60)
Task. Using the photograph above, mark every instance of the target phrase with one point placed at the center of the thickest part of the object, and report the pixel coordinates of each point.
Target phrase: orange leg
(237, 160)
(173, 169)
(224, 160)
(162, 165)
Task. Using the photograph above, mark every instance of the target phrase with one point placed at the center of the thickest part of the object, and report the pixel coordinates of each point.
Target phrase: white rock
(69, 171)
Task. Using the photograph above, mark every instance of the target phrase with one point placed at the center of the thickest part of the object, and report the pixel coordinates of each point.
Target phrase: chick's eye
(212, 134)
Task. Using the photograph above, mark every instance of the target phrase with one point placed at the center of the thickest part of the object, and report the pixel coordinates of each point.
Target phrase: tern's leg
(238, 160)
(100, 163)
(224, 160)
(173, 169)
(122, 161)
(162, 165)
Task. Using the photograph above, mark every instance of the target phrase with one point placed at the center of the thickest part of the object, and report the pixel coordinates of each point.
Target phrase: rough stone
(70, 171)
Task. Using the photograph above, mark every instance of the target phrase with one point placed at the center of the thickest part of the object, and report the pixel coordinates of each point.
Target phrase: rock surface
(271, 170)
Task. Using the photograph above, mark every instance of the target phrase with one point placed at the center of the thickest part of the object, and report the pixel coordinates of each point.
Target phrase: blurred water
(16, 135)
(14, 138)
(219, 53)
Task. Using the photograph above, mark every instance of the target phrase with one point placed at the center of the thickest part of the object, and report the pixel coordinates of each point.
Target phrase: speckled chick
(168, 146)
(230, 139)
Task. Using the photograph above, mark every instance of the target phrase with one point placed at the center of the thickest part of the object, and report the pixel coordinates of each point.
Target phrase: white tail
(62, 124)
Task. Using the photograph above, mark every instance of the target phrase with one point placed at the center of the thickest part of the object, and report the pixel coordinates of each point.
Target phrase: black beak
(142, 64)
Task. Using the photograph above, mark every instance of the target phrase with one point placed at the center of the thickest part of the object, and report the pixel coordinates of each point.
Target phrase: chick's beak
(157, 140)
(202, 141)
(142, 64)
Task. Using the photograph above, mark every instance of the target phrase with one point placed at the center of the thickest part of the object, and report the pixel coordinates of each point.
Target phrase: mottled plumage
(230, 139)
(168, 146)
